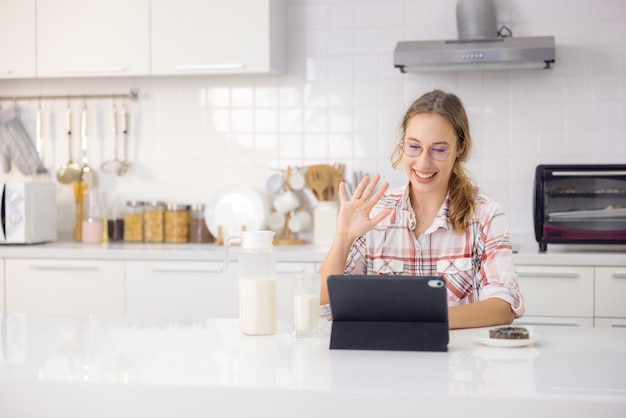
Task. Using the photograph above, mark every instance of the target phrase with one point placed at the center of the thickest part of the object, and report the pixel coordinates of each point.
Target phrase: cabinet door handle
(95, 70)
(187, 270)
(618, 275)
(548, 324)
(288, 270)
(549, 275)
(63, 267)
(195, 67)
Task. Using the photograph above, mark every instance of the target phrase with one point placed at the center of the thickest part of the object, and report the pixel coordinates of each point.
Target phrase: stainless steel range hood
(500, 53)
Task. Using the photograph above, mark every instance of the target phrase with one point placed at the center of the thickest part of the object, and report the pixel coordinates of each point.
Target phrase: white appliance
(28, 212)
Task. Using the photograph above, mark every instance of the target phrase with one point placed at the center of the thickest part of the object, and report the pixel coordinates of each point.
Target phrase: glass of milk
(306, 303)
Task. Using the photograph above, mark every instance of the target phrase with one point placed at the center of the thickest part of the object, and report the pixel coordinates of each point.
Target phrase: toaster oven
(582, 204)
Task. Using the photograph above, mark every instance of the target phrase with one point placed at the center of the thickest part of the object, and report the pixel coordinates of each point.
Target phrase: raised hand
(354, 215)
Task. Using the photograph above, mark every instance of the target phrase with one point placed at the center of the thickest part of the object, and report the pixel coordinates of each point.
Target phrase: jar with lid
(198, 231)
(154, 221)
(176, 223)
(133, 221)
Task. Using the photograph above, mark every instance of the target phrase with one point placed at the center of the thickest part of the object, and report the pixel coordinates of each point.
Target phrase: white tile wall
(341, 100)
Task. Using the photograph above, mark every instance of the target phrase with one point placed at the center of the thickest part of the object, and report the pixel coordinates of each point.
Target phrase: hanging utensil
(24, 152)
(40, 168)
(125, 166)
(115, 165)
(6, 150)
(86, 172)
(70, 171)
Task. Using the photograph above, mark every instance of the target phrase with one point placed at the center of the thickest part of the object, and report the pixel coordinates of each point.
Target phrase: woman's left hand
(354, 215)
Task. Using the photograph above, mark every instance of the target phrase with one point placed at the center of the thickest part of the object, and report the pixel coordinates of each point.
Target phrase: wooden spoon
(317, 180)
(336, 177)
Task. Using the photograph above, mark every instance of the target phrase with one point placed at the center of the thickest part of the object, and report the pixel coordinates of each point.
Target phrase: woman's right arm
(353, 221)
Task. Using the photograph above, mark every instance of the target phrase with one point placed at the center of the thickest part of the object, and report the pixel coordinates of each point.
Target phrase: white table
(117, 367)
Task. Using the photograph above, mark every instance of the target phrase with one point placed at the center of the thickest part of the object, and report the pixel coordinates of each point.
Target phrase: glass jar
(154, 221)
(176, 223)
(257, 281)
(92, 218)
(198, 231)
(133, 221)
(115, 223)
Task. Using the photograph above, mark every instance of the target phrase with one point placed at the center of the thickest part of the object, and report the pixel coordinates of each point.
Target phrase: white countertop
(525, 245)
(116, 367)
(152, 251)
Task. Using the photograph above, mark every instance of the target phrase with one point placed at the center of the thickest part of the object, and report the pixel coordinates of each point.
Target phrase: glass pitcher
(257, 281)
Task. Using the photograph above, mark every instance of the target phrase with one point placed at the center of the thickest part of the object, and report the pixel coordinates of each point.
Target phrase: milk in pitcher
(257, 305)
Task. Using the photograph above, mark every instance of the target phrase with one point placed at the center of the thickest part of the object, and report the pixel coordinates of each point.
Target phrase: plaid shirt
(476, 264)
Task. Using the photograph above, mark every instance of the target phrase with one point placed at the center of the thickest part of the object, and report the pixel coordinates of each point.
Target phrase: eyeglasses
(438, 153)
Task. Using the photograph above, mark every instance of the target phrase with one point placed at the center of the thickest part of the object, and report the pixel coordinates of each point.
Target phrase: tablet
(389, 312)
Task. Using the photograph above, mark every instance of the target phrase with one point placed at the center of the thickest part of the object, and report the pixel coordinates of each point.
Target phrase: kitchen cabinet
(78, 38)
(217, 37)
(196, 288)
(557, 295)
(64, 287)
(17, 39)
(610, 296)
(180, 289)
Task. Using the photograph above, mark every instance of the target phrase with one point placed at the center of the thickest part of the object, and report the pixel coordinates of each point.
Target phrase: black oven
(582, 204)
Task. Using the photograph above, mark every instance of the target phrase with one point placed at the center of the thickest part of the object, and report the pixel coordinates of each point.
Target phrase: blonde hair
(460, 187)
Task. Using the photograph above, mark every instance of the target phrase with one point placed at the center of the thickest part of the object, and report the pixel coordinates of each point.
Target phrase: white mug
(286, 202)
(275, 182)
(299, 220)
(296, 180)
(276, 221)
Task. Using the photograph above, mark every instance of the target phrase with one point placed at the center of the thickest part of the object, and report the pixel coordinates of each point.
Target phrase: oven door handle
(588, 173)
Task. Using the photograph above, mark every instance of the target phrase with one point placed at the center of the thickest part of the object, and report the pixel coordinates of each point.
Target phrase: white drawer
(557, 290)
(64, 287)
(610, 292)
(180, 289)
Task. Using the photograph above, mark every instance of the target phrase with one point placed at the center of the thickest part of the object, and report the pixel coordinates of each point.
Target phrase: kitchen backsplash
(341, 101)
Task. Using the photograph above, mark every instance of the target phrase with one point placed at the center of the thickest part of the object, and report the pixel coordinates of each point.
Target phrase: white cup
(286, 201)
(276, 221)
(275, 182)
(297, 180)
(306, 304)
(299, 220)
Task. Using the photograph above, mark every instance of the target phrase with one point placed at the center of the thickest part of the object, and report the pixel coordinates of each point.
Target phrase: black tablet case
(402, 313)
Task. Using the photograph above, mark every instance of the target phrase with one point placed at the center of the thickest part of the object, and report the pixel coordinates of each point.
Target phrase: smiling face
(427, 176)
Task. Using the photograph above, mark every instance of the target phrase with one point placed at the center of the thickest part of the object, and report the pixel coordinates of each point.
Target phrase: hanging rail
(132, 95)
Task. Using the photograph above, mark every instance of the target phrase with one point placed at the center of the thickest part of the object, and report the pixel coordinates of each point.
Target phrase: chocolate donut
(509, 333)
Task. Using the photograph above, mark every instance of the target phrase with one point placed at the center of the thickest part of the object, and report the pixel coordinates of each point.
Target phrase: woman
(437, 224)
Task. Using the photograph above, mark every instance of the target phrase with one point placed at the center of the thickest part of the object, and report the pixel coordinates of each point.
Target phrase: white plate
(483, 338)
(235, 207)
